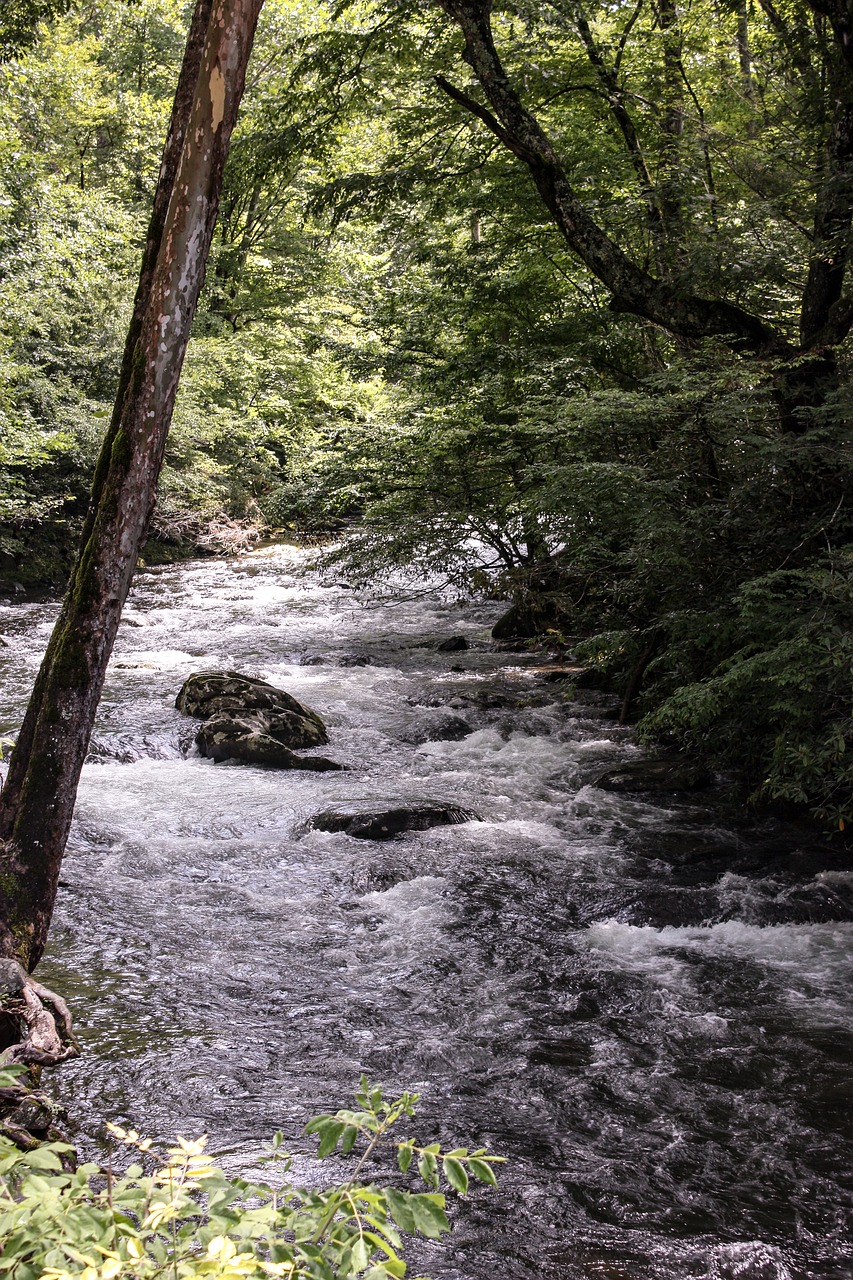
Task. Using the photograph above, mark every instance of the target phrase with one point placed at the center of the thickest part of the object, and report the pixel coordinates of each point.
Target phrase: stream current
(647, 1009)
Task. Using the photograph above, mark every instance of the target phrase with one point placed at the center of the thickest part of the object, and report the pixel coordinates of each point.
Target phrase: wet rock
(245, 738)
(110, 749)
(450, 729)
(606, 705)
(250, 720)
(379, 878)
(555, 673)
(210, 692)
(655, 774)
(354, 659)
(383, 824)
(35, 1114)
(440, 728)
(454, 644)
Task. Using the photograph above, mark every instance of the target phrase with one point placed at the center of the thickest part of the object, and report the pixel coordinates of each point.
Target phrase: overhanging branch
(491, 123)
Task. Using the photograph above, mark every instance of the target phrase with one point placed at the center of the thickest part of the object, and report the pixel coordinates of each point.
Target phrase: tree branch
(471, 104)
(633, 289)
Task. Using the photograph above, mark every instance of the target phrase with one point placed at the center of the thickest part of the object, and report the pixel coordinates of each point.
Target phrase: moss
(121, 453)
(18, 915)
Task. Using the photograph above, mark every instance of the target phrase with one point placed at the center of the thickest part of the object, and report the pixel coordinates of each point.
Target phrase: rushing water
(649, 1013)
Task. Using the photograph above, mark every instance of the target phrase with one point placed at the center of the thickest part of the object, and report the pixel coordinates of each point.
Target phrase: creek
(647, 1006)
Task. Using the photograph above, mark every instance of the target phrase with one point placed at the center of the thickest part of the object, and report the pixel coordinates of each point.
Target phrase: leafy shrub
(186, 1218)
(780, 705)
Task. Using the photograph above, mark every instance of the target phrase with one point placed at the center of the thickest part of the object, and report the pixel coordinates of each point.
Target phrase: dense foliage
(640, 429)
(185, 1218)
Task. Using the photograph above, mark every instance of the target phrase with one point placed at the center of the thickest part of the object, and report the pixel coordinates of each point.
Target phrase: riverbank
(39, 558)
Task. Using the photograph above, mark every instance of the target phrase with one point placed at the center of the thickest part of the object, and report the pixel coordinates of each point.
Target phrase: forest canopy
(550, 300)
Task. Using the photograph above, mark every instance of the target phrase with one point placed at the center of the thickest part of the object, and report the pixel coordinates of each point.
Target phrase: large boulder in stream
(366, 823)
(249, 720)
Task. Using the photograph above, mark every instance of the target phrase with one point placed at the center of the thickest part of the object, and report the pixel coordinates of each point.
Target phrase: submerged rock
(440, 728)
(655, 774)
(383, 824)
(453, 644)
(250, 720)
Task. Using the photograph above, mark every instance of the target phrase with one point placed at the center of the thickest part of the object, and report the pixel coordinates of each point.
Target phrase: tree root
(47, 1035)
(38, 1023)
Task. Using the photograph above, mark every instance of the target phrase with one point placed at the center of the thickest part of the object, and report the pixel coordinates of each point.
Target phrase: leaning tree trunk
(38, 799)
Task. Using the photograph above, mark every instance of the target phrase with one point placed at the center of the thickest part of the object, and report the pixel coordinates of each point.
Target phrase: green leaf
(45, 1157)
(329, 1135)
(400, 1204)
(429, 1215)
(404, 1156)
(348, 1140)
(428, 1168)
(360, 1255)
(483, 1172)
(455, 1174)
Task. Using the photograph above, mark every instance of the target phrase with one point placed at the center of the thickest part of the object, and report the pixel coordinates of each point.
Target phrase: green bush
(779, 706)
(185, 1218)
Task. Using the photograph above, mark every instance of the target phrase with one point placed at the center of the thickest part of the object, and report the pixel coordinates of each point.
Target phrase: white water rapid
(649, 1012)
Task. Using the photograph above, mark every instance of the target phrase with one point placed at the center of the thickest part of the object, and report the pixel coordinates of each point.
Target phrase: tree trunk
(38, 799)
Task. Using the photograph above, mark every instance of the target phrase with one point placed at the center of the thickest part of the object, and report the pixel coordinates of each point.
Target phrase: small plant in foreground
(186, 1218)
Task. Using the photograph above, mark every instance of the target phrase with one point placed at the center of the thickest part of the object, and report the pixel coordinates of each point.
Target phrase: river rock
(210, 692)
(353, 658)
(453, 644)
(444, 727)
(34, 1114)
(655, 774)
(247, 738)
(250, 720)
(556, 672)
(383, 824)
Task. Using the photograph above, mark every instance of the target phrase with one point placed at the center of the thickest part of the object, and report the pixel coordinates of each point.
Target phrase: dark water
(649, 1013)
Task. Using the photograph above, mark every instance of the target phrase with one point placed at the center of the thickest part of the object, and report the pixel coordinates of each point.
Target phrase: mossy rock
(249, 720)
(531, 617)
(244, 738)
(367, 823)
(229, 695)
